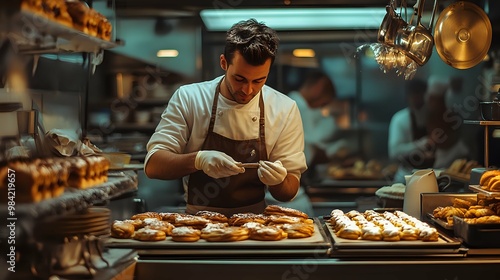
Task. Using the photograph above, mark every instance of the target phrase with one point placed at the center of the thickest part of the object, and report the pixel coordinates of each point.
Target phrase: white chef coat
(401, 136)
(184, 124)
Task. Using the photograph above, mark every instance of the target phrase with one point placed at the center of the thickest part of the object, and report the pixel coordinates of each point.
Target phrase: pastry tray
(445, 246)
(478, 189)
(317, 245)
(477, 235)
(440, 222)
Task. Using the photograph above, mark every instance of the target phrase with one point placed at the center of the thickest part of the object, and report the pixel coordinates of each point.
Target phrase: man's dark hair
(416, 86)
(255, 41)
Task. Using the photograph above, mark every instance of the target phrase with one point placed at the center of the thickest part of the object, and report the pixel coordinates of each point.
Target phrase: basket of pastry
(37, 179)
(277, 228)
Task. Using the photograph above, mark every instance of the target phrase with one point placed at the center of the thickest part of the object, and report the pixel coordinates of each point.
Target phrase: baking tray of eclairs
(279, 231)
(386, 233)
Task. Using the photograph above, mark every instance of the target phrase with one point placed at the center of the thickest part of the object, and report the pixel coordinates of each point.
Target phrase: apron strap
(262, 128)
(214, 108)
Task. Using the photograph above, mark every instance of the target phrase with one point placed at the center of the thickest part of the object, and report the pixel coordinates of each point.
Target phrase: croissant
(487, 176)
(463, 203)
(483, 220)
(449, 211)
(480, 212)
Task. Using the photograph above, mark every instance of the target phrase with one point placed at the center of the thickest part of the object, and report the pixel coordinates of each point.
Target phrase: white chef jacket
(400, 135)
(184, 124)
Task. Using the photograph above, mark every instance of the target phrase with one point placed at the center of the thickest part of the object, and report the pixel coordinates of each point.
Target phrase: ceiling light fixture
(297, 18)
(304, 53)
(167, 53)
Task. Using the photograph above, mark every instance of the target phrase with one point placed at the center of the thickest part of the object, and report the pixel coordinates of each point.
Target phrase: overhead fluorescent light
(303, 53)
(167, 53)
(297, 18)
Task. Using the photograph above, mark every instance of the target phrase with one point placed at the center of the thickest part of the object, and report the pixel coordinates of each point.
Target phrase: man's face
(243, 81)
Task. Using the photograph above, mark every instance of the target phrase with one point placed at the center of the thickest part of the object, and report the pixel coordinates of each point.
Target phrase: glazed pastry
(224, 233)
(428, 234)
(494, 219)
(298, 230)
(185, 234)
(212, 216)
(494, 184)
(146, 234)
(409, 233)
(267, 233)
(190, 221)
(145, 215)
(169, 216)
(153, 223)
(371, 233)
(390, 233)
(462, 203)
(487, 177)
(349, 231)
(243, 218)
(137, 223)
(252, 225)
(448, 211)
(122, 229)
(281, 219)
(478, 212)
(280, 210)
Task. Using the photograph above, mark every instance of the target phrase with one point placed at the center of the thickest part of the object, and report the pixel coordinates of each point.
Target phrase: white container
(421, 181)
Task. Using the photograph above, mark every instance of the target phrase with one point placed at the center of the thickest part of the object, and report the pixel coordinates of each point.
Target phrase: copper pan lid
(462, 35)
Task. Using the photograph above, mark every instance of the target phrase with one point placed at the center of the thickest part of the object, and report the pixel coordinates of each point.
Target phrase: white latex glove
(217, 164)
(271, 173)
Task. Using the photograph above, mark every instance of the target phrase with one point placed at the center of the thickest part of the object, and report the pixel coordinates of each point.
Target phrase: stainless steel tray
(477, 235)
(445, 246)
(440, 222)
(478, 189)
(317, 245)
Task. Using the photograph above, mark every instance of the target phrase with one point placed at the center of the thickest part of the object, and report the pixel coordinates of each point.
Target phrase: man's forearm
(166, 165)
(286, 190)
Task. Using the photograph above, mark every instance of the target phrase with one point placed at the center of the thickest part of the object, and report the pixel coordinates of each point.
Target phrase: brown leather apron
(235, 194)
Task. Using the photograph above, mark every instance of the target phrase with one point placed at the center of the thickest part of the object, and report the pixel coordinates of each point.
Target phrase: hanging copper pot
(462, 35)
(416, 40)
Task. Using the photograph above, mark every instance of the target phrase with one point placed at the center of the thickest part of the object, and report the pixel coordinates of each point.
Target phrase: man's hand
(217, 164)
(271, 173)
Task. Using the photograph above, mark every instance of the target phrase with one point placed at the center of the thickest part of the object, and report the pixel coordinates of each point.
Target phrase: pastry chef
(210, 128)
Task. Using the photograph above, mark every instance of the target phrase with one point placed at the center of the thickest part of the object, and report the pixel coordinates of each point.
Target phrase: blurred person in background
(408, 143)
(443, 126)
(316, 99)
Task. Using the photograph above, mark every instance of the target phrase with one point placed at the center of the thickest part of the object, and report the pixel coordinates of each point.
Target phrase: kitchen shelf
(35, 34)
(74, 200)
(486, 136)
